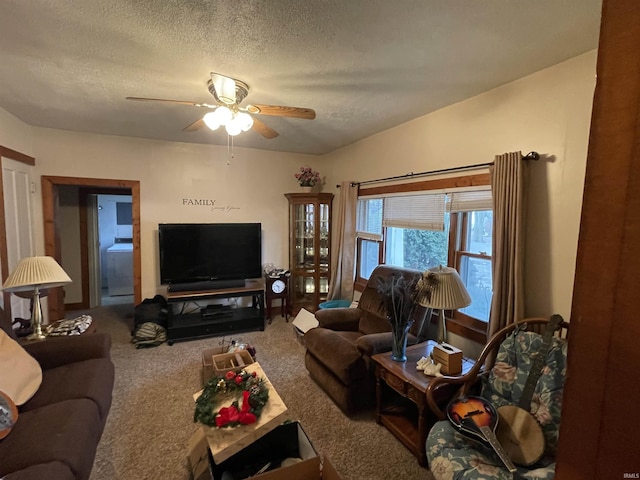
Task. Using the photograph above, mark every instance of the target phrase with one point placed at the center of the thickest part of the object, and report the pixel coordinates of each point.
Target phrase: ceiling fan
(229, 94)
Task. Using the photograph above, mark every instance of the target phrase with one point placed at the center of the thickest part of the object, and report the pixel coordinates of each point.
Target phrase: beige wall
(15, 134)
(548, 112)
(249, 189)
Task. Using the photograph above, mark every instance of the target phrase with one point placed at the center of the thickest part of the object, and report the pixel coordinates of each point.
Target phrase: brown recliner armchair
(339, 350)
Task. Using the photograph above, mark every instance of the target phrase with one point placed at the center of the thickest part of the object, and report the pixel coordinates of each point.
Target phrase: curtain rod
(529, 156)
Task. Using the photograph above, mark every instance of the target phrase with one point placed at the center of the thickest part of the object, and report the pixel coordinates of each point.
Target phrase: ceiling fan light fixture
(225, 88)
(223, 115)
(211, 120)
(244, 120)
(233, 128)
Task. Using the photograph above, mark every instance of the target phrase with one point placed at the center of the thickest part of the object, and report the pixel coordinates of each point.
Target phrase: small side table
(401, 404)
(277, 288)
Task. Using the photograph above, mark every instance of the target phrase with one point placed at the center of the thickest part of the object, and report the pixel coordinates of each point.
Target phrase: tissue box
(449, 357)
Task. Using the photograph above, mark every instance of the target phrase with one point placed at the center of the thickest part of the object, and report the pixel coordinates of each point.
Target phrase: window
(473, 262)
(415, 234)
(369, 238)
(425, 229)
(418, 249)
(371, 256)
(473, 216)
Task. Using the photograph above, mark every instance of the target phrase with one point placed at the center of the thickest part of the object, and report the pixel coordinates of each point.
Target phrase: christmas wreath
(254, 397)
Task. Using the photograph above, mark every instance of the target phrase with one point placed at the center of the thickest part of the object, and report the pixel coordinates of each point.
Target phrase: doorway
(52, 189)
(114, 256)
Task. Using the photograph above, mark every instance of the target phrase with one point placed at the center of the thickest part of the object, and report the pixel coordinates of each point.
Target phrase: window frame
(361, 282)
(457, 322)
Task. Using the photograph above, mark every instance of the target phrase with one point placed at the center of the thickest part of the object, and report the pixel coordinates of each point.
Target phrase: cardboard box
(216, 361)
(449, 357)
(225, 442)
(207, 361)
(287, 441)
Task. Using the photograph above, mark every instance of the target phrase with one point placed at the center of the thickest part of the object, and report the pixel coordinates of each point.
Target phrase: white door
(18, 191)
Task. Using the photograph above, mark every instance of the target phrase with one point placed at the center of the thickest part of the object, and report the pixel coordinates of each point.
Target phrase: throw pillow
(21, 373)
(71, 326)
(8, 415)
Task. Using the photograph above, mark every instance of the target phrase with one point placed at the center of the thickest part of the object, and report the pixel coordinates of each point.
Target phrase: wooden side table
(401, 405)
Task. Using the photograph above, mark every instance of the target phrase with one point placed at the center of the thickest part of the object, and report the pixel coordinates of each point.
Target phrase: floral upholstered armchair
(455, 456)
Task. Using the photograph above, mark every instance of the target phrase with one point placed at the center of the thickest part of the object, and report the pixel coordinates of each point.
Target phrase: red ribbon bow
(231, 414)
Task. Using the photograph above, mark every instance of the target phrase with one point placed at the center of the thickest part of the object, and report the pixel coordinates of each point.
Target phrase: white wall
(548, 112)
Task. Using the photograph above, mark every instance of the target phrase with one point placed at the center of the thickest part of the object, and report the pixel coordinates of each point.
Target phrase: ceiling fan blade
(264, 130)
(195, 126)
(280, 111)
(181, 102)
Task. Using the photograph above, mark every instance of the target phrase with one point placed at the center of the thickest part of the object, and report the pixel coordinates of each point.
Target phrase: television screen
(199, 252)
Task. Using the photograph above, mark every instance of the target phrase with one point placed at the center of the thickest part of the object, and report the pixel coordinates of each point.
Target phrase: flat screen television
(196, 256)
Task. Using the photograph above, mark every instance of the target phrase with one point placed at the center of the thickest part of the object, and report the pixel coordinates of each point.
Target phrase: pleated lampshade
(450, 293)
(34, 272)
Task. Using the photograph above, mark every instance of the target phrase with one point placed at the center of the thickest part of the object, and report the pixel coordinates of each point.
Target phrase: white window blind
(369, 219)
(470, 200)
(416, 212)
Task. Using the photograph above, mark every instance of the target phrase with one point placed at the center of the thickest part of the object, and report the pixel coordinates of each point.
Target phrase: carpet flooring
(151, 418)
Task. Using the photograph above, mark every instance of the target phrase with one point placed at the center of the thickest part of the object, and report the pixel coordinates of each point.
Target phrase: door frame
(85, 249)
(50, 186)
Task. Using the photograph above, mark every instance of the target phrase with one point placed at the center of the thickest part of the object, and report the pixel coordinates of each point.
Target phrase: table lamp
(32, 274)
(448, 294)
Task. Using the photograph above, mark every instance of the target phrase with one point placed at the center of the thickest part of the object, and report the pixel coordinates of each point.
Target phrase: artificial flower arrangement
(307, 177)
(254, 393)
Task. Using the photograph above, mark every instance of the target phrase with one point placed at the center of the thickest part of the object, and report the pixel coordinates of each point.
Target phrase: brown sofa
(339, 350)
(58, 429)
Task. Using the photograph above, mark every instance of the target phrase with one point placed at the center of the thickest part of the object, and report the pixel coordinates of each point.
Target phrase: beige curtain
(343, 248)
(508, 188)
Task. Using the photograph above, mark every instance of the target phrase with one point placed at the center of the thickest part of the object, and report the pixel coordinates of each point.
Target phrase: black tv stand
(205, 285)
(213, 320)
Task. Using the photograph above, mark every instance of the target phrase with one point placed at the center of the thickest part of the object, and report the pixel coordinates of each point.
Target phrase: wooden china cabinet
(309, 248)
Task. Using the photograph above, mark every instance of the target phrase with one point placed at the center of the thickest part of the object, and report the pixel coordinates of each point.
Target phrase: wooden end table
(401, 404)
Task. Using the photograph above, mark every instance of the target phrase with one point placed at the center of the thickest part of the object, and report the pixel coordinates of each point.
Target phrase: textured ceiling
(363, 65)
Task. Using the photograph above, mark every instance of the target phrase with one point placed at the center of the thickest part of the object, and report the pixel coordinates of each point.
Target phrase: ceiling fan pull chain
(229, 149)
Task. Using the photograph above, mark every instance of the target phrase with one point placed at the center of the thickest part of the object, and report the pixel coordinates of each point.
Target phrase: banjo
(518, 431)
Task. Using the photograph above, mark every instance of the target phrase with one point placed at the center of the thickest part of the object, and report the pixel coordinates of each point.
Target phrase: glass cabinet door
(304, 238)
(309, 244)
